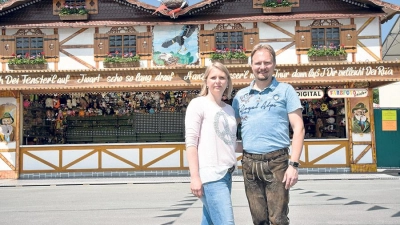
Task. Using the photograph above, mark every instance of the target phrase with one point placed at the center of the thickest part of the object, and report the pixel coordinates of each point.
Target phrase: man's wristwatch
(294, 164)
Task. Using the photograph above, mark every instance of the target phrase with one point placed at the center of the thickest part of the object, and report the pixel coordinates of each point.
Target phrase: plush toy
(319, 127)
(49, 103)
(343, 122)
(331, 112)
(26, 103)
(69, 103)
(56, 103)
(342, 111)
(330, 120)
(324, 107)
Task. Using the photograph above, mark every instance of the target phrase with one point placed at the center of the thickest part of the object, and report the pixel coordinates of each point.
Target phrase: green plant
(227, 53)
(117, 58)
(331, 50)
(277, 3)
(27, 59)
(69, 10)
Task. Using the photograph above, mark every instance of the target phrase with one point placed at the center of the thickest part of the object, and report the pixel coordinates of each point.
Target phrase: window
(231, 40)
(232, 36)
(325, 36)
(90, 5)
(29, 45)
(32, 41)
(131, 41)
(325, 32)
(124, 44)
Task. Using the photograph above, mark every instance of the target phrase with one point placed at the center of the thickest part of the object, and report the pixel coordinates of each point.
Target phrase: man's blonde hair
(266, 47)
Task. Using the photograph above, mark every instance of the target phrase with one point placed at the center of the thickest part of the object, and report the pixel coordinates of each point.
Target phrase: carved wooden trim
(32, 31)
(229, 26)
(326, 22)
(122, 30)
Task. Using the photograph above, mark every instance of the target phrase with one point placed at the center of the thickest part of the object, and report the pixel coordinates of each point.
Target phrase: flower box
(328, 58)
(74, 17)
(27, 66)
(231, 61)
(268, 10)
(120, 64)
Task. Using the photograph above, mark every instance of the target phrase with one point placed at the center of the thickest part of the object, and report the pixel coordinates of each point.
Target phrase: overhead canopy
(391, 45)
(365, 74)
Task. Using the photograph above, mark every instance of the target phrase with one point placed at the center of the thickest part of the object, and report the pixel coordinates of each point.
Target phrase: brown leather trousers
(268, 199)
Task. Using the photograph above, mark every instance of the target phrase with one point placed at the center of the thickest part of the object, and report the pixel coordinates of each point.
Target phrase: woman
(210, 145)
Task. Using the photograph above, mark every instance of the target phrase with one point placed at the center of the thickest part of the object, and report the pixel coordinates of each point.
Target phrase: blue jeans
(217, 202)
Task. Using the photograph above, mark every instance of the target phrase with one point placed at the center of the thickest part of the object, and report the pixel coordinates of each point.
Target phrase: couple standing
(265, 109)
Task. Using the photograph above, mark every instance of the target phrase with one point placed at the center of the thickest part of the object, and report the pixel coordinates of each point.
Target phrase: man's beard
(361, 117)
(263, 78)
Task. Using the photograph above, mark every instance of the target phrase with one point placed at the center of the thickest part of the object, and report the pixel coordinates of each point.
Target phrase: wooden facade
(75, 53)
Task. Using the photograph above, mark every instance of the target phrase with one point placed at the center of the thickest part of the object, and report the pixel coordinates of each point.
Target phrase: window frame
(207, 38)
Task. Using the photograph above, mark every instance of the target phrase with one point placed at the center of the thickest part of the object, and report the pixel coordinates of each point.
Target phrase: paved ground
(143, 180)
(362, 199)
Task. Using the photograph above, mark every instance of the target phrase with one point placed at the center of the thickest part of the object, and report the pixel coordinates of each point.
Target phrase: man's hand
(291, 176)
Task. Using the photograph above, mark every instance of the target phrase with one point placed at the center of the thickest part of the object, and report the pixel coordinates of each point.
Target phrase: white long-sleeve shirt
(212, 129)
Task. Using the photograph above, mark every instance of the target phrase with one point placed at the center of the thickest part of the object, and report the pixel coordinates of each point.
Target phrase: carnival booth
(95, 96)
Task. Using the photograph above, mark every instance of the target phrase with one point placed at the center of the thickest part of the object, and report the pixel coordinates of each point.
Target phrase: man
(265, 109)
(360, 121)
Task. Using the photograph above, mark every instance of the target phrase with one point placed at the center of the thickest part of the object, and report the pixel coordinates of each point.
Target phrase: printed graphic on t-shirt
(250, 102)
(224, 132)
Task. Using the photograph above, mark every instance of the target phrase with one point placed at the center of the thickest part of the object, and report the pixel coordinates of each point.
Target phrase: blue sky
(386, 27)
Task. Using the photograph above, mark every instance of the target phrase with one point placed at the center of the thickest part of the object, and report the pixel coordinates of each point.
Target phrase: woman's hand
(196, 187)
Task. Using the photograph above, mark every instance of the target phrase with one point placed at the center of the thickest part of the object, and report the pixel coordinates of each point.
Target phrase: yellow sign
(389, 115)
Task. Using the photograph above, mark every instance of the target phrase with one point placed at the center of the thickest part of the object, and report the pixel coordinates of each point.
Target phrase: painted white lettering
(11, 80)
(114, 79)
(86, 79)
(26, 79)
(143, 78)
(63, 80)
(161, 77)
(299, 74)
(191, 76)
(382, 71)
(129, 78)
(279, 74)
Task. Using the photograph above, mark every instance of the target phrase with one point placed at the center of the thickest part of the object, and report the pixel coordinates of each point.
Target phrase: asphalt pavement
(317, 199)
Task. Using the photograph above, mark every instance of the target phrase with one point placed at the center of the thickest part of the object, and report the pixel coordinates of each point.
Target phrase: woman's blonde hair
(220, 66)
